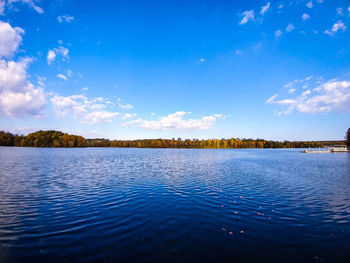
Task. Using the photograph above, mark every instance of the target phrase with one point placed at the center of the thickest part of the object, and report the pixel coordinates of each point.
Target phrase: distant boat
(338, 148)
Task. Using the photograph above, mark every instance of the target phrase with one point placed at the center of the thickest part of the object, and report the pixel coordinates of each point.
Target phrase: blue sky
(191, 69)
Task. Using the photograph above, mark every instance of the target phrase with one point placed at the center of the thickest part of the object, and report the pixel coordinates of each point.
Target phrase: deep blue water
(173, 205)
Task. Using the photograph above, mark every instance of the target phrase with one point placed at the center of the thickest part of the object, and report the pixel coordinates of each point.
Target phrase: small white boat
(338, 148)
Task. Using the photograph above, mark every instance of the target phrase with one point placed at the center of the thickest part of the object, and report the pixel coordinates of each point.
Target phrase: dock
(316, 151)
(332, 149)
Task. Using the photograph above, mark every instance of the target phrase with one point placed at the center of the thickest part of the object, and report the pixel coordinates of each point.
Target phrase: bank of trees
(348, 138)
(42, 139)
(53, 138)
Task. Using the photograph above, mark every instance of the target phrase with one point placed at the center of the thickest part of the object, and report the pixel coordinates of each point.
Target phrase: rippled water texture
(173, 205)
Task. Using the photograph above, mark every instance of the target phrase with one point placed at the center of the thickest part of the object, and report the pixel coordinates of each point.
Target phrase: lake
(173, 205)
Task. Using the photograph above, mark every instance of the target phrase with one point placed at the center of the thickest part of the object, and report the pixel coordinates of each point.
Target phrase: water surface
(173, 205)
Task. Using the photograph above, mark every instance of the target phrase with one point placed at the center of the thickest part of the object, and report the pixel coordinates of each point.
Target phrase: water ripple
(174, 205)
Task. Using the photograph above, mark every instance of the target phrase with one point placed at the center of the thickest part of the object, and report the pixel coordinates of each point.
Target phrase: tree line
(53, 138)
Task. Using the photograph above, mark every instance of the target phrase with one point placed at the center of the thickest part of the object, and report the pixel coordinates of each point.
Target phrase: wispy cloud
(61, 51)
(65, 18)
(271, 99)
(177, 121)
(338, 26)
(2, 7)
(246, 17)
(309, 4)
(124, 106)
(88, 111)
(290, 27)
(305, 17)
(61, 76)
(291, 91)
(127, 116)
(29, 3)
(278, 33)
(201, 60)
(331, 96)
(265, 8)
(340, 11)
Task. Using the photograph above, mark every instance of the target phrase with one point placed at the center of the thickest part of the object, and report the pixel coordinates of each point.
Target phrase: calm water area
(173, 205)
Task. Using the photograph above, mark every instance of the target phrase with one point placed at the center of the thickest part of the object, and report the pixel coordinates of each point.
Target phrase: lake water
(173, 205)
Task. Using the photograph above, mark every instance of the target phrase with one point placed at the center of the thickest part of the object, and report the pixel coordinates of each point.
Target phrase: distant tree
(53, 138)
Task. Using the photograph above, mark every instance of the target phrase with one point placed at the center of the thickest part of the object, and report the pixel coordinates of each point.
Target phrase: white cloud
(340, 11)
(65, 18)
(41, 81)
(127, 116)
(280, 6)
(80, 107)
(28, 2)
(2, 7)
(239, 52)
(61, 51)
(176, 121)
(308, 78)
(339, 25)
(271, 99)
(75, 105)
(61, 76)
(278, 33)
(51, 56)
(201, 60)
(291, 91)
(320, 1)
(18, 96)
(331, 96)
(246, 16)
(285, 102)
(10, 39)
(305, 17)
(100, 116)
(295, 82)
(265, 8)
(305, 93)
(69, 73)
(309, 4)
(290, 27)
(124, 106)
